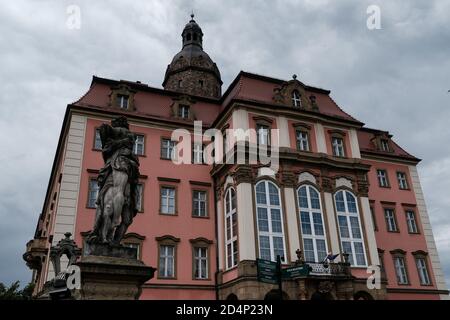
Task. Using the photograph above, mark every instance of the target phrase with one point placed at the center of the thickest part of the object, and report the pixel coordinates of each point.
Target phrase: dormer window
(122, 101)
(384, 145)
(183, 111)
(200, 82)
(296, 102)
(180, 83)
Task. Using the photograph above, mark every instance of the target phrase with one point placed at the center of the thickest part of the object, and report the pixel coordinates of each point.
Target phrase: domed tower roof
(192, 71)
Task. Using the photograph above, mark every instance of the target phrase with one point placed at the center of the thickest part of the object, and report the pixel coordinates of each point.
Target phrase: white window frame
(422, 270)
(311, 212)
(170, 147)
(92, 193)
(197, 153)
(184, 111)
(140, 140)
(137, 246)
(123, 101)
(271, 234)
(229, 212)
(391, 223)
(200, 201)
(167, 197)
(198, 258)
(164, 254)
(263, 134)
(347, 214)
(402, 181)
(338, 146)
(296, 99)
(302, 141)
(400, 270)
(382, 178)
(411, 221)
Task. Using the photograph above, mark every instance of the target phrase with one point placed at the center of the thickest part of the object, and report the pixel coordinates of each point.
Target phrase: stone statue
(117, 181)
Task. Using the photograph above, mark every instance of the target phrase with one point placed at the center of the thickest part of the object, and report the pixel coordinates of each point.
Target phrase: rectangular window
(167, 200)
(411, 221)
(382, 178)
(402, 182)
(139, 144)
(92, 194)
(263, 136)
(338, 147)
(139, 197)
(123, 101)
(166, 261)
(231, 228)
(199, 203)
(98, 141)
(197, 154)
(400, 270)
(302, 140)
(183, 111)
(167, 149)
(201, 263)
(390, 220)
(384, 145)
(135, 246)
(423, 271)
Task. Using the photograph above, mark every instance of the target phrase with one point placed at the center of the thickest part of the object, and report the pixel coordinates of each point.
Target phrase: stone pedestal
(110, 277)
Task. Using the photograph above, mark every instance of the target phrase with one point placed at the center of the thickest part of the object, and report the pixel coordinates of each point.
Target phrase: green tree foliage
(13, 292)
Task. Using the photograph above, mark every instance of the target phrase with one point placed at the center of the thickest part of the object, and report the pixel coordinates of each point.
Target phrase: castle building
(340, 188)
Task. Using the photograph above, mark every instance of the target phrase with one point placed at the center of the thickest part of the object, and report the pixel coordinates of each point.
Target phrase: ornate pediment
(182, 108)
(122, 96)
(292, 93)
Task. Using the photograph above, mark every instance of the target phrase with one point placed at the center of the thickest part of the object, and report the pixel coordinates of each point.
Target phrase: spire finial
(192, 14)
(294, 76)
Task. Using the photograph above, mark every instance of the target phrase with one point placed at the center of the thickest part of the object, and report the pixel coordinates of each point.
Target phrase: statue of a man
(117, 181)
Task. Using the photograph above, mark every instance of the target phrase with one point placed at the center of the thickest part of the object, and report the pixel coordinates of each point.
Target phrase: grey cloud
(395, 78)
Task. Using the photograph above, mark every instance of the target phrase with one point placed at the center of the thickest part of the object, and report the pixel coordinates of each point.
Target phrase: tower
(192, 71)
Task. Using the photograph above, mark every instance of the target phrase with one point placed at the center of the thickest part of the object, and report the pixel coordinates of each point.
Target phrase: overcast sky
(395, 78)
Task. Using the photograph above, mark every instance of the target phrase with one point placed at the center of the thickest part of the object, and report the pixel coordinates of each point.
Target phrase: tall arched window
(270, 221)
(311, 222)
(350, 227)
(231, 231)
(296, 101)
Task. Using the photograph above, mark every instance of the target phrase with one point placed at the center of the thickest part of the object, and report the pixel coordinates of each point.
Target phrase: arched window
(231, 231)
(270, 221)
(350, 227)
(311, 223)
(296, 101)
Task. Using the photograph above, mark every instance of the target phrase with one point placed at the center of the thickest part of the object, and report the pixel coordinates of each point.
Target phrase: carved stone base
(111, 278)
(105, 250)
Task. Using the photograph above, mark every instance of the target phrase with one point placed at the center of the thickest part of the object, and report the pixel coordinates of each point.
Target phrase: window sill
(169, 214)
(200, 217)
(166, 278)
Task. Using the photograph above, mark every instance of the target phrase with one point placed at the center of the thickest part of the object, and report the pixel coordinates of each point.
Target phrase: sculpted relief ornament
(117, 181)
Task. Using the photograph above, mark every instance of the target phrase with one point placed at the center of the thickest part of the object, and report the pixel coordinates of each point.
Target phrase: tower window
(195, 37)
(188, 37)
